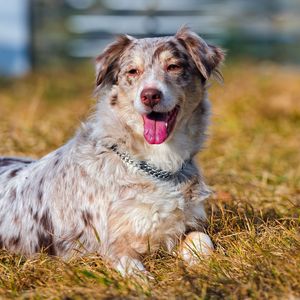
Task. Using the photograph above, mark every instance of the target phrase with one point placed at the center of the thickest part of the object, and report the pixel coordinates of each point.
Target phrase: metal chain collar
(180, 176)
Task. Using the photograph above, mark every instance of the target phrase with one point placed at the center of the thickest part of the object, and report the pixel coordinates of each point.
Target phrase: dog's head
(157, 83)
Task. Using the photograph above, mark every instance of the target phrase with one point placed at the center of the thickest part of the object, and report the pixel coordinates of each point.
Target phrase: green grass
(252, 161)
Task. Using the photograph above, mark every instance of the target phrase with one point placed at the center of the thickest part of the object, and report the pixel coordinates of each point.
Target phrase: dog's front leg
(195, 245)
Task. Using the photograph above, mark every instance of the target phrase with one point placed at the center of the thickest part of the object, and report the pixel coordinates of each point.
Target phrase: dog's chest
(148, 208)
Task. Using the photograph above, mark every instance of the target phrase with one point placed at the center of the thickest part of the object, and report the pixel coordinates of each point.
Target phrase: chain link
(150, 169)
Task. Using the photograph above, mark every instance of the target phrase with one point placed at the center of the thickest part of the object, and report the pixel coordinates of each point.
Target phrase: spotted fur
(82, 197)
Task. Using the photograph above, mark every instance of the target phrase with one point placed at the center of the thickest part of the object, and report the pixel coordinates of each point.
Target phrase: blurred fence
(76, 29)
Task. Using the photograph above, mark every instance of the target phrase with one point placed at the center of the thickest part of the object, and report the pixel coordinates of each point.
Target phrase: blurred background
(40, 33)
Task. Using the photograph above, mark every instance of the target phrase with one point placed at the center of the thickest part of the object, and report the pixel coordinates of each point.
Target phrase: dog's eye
(133, 72)
(173, 68)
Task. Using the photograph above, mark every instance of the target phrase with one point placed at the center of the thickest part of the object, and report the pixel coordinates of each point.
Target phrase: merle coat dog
(126, 183)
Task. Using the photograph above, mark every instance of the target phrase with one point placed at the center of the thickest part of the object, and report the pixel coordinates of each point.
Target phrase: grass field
(251, 160)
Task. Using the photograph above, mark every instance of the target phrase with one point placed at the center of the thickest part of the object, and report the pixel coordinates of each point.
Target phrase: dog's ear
(107, 63)
(206, 57)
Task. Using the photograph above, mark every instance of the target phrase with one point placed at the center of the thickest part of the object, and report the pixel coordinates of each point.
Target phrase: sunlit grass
(251, 160)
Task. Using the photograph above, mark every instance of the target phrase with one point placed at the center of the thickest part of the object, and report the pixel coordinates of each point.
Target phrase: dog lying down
(126, 183)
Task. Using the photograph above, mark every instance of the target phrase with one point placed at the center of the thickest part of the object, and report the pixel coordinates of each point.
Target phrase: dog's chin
(158, 126)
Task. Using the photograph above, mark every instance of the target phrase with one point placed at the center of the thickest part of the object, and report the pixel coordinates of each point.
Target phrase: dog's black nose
(150, 97)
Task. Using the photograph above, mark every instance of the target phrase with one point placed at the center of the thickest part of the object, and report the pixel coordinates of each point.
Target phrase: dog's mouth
(158, 126)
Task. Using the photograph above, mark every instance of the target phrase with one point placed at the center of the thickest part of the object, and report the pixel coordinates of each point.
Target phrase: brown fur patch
(16, 219)
(91, 198)
(40, 195)
(45, 242)
(46, 221)
(13, 173)
(83, 173)
(13, 194)
(191, 189)
(45, 238)
(206, 57)
(87, 218)
(108, 61)
(35, 216)
(14, 241)
(113, 100)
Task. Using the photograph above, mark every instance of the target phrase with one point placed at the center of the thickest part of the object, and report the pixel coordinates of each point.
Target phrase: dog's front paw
(196, 245)
(128, 266)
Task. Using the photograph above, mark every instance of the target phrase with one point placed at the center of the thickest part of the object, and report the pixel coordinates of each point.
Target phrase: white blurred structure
(72, 30)
(14, 37)
(266, 29)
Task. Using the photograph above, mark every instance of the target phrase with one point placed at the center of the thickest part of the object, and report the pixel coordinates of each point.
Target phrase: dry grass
(251, 160)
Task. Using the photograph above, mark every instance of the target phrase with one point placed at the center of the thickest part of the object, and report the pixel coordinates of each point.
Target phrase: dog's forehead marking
(146, 51)
(166, 54)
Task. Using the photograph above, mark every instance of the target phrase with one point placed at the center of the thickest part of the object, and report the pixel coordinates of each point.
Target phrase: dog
(126, 184)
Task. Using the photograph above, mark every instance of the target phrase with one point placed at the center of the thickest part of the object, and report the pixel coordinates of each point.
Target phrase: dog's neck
(183, 174)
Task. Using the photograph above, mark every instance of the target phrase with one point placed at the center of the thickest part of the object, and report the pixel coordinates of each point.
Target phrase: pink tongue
(155, 131)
